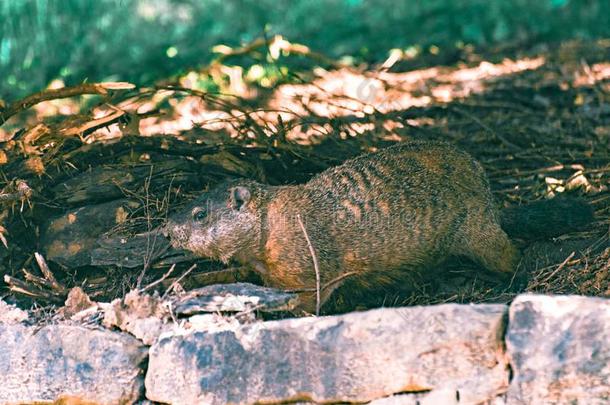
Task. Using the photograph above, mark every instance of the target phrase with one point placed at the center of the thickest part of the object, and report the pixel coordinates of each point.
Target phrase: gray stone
(69, 363)
(234, 297)
(144, 316)
(559, 349)
(10, 314)
(356, 357)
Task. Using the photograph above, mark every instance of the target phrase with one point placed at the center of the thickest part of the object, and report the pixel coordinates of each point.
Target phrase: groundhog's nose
(176, 232)
(166, 229)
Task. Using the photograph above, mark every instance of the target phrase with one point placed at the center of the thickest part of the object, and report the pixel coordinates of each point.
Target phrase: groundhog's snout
(165, 231)
(178, 234)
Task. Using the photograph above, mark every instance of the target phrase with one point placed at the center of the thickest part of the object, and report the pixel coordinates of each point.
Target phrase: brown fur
(381, 216)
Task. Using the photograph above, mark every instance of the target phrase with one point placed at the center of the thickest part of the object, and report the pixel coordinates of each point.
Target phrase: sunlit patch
(391, 125)
(337, 93)
(601, 70)
(418, 122)
(487, 70)
(589, 75)
(354, 93)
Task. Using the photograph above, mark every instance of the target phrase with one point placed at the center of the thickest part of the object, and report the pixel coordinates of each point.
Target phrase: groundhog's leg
(488, 245)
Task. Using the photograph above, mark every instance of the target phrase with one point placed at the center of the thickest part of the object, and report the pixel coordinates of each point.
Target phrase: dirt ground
(83, 176)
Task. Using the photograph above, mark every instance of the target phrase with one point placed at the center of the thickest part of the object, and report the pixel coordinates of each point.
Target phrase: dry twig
(175, 283)
(561, 266)
(159, 281)
(315, 263)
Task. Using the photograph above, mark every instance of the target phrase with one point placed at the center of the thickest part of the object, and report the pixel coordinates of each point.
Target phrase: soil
(86, 181)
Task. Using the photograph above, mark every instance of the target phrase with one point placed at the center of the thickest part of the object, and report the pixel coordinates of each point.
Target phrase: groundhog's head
(220, 224)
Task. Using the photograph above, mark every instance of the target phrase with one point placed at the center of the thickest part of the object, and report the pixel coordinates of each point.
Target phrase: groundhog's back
(406, 206)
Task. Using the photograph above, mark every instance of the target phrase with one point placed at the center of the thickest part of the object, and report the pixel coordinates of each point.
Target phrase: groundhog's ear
(240, 196)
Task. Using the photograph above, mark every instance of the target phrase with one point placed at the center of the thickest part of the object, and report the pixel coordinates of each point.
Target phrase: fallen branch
(94, 124)
(47, 288)
(21, 287)
(44, 268)
(64, 92)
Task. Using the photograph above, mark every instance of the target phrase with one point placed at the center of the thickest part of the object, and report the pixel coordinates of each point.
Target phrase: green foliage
(143, 40)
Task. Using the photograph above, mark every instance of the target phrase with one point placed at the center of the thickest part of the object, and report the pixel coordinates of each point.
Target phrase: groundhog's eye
(199, 214)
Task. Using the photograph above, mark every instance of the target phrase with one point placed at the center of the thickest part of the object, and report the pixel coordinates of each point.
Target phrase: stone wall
(538, 350)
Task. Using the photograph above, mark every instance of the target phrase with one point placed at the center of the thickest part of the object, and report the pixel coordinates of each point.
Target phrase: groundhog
(379, 217)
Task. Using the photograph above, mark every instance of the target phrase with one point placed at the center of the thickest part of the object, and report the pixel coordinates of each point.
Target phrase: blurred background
(144, 40)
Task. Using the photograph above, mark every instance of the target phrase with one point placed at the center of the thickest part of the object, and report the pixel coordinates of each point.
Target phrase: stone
(69, 363)
(559, 350)
(357, 357)
(234, 297)
(76, 303)
(143, 315)
(10, 314)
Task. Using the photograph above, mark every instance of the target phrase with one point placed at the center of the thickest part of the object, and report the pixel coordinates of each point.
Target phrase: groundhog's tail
(546, 218)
